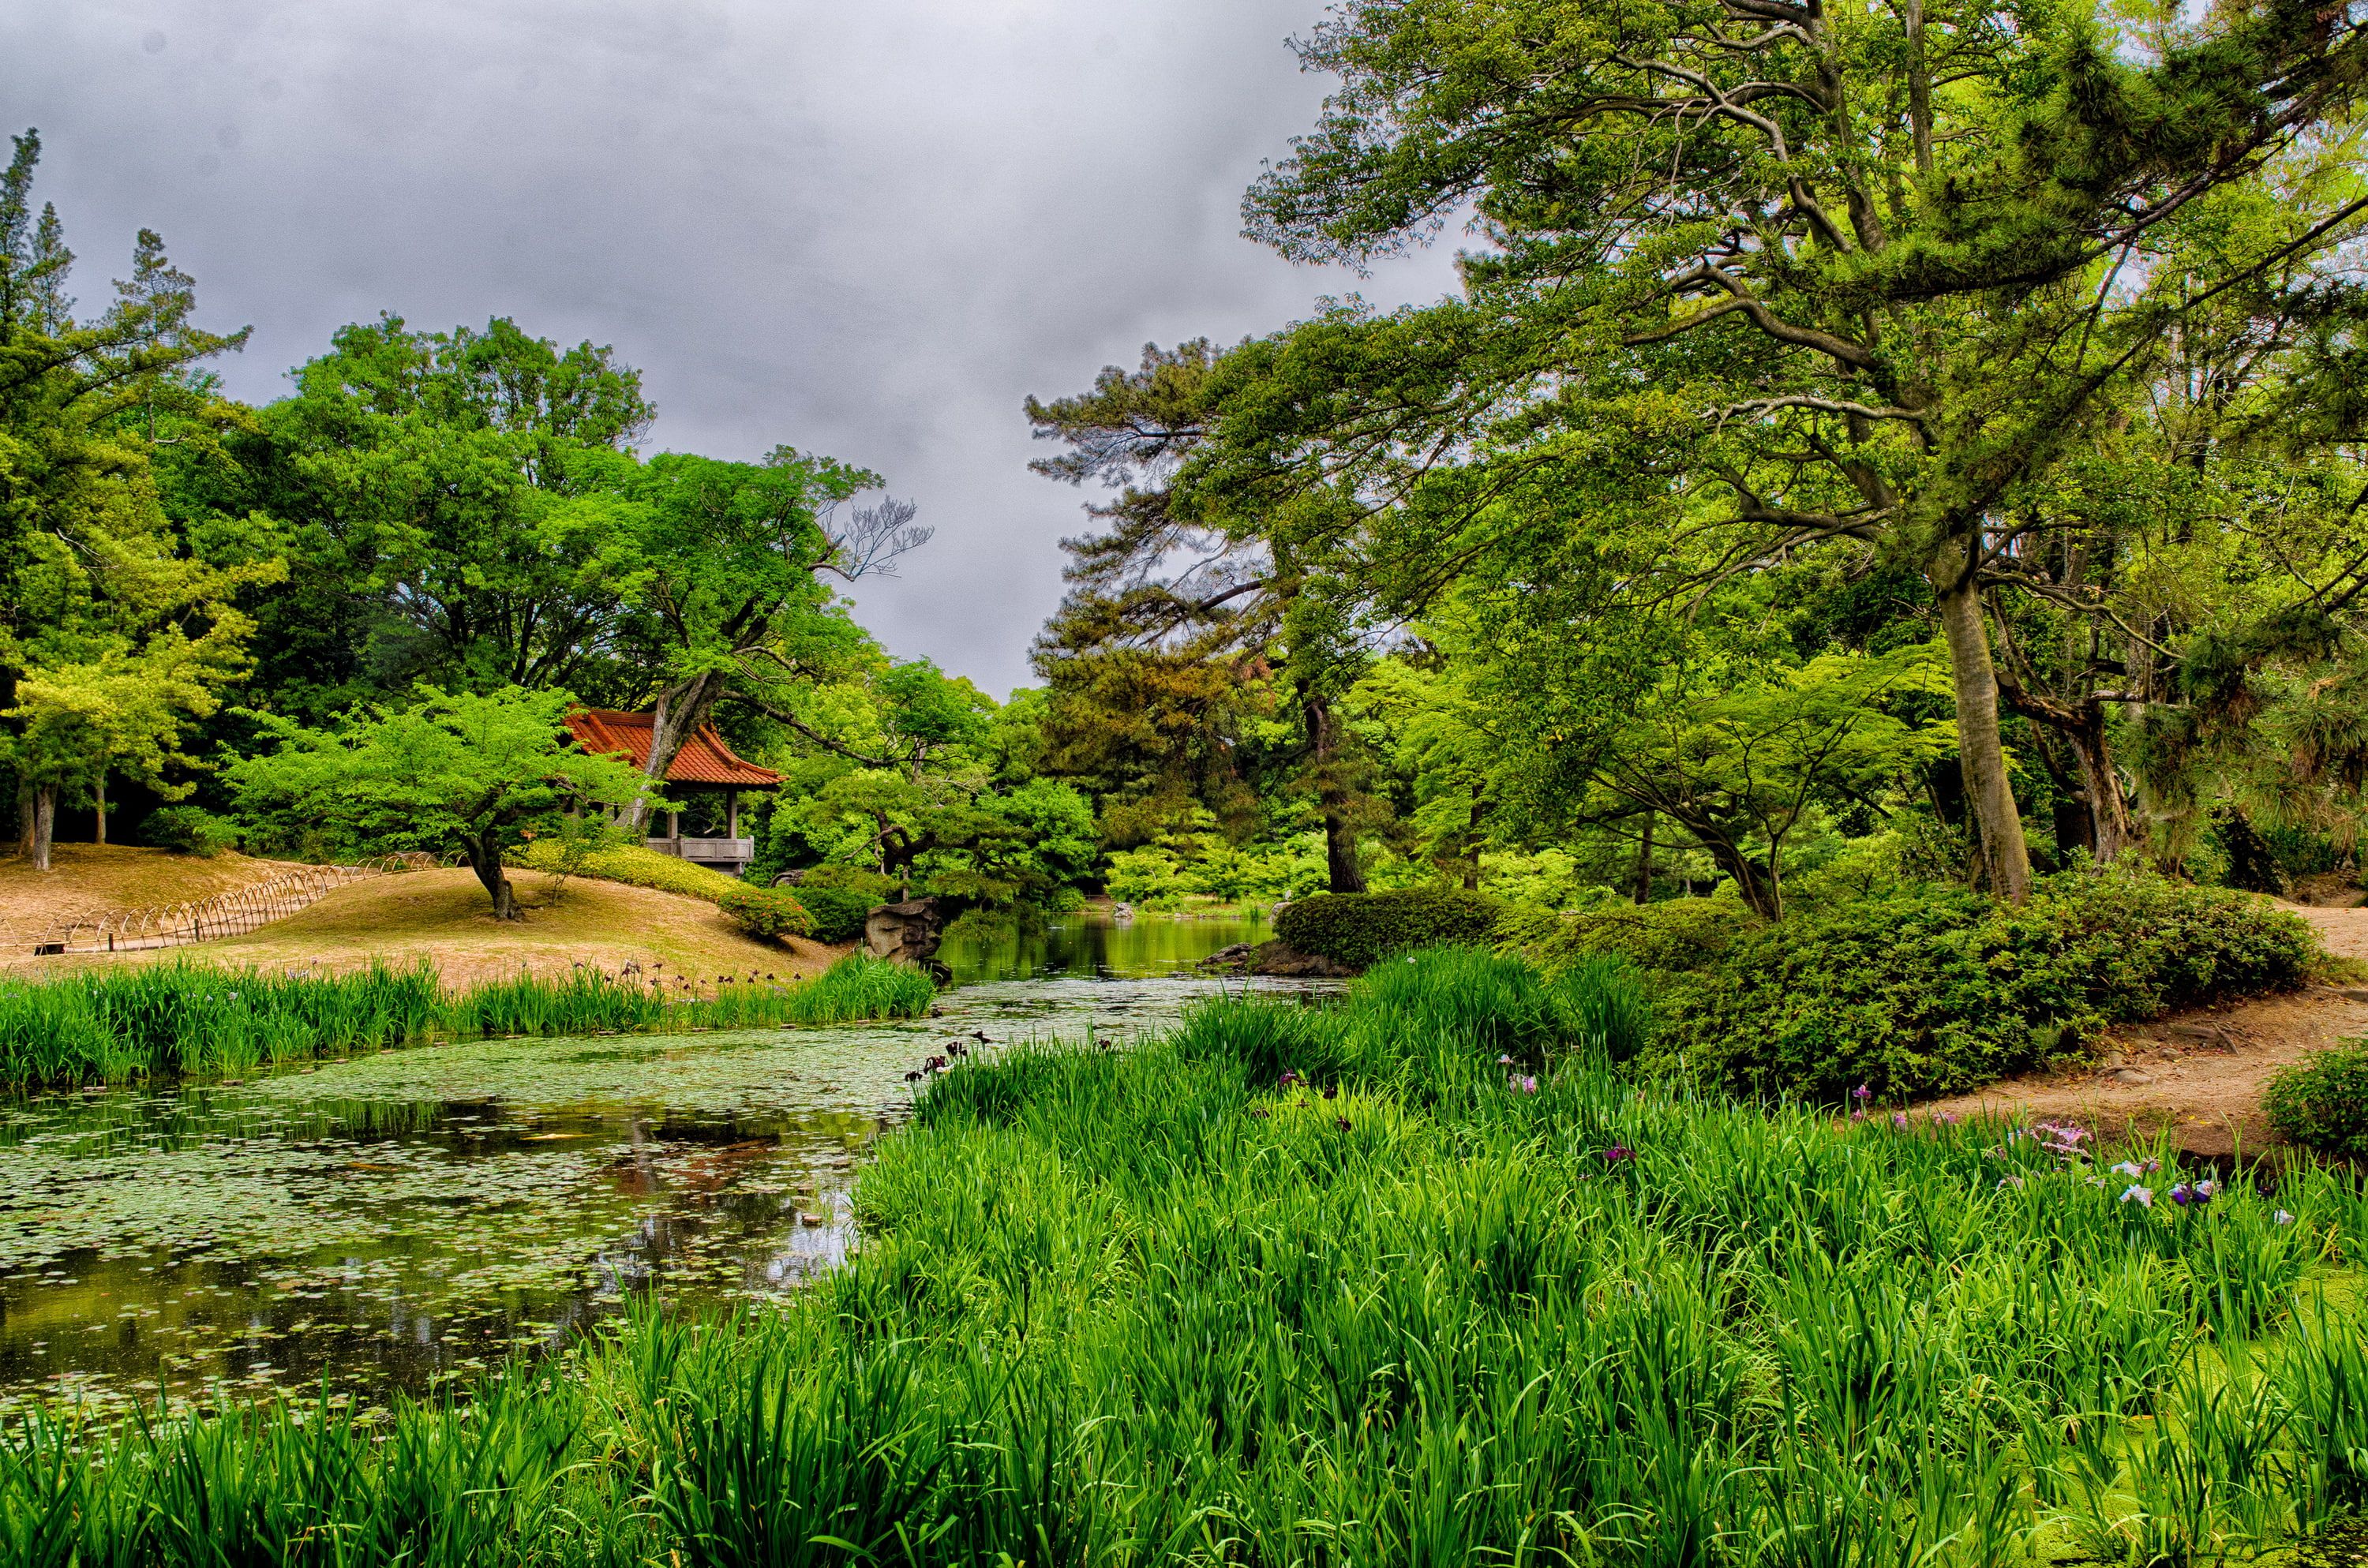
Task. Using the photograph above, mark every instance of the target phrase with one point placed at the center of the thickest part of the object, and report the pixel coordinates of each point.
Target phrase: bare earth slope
(2199, 1074)
(444, 918)
(92, 879)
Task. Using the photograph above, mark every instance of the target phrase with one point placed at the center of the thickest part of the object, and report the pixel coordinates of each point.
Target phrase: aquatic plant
(109, 1025)
(1256, 1291)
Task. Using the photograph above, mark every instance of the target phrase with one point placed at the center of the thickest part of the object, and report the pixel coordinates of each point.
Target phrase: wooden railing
(231, 914)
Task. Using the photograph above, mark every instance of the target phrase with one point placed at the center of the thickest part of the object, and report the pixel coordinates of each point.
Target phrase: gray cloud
(865, 227)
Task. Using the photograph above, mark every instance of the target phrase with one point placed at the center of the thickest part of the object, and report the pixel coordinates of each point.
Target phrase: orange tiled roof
(704, 759)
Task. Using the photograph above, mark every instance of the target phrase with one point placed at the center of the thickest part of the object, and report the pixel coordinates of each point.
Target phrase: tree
(1803, 277)
(730, 600)
(114, 635)
(1179, 638)
(452, 503)
(450, 772)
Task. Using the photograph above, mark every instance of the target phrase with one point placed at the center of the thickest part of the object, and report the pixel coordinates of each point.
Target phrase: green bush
(1363, 927)
(2321, 1102)
(189, 830)
(839, 913)
(1678, 937)
(769, 913)
(1933, 989)
(852, 879)
(633, 865)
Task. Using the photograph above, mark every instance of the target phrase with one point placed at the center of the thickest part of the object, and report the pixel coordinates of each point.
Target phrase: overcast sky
(864, 227)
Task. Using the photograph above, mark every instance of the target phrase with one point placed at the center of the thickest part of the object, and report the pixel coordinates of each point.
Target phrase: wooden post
(732, 813)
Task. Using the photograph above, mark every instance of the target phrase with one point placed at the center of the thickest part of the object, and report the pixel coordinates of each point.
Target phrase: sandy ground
(444, 918)
(2199, 1075)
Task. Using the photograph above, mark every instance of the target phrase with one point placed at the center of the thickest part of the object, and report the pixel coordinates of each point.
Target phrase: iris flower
(2141, 1195)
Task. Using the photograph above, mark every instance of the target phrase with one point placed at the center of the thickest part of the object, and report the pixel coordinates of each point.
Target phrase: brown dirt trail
(2198, 1075)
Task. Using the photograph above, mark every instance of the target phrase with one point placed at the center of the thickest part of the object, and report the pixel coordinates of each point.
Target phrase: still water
(397, 1220)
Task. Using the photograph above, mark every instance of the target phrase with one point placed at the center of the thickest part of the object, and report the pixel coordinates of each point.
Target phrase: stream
(395, 1221)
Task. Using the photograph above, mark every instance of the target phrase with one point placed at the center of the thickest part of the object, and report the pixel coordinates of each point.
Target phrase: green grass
(1337, 1287)
(115, 1025)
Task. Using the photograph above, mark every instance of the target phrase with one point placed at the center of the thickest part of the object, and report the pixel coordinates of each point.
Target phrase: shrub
(1934, 989)
(839, 913)
(1678, 937)
(853, 879)
(1364, 928)
(2321, 1102)
(189, 830)
(770, 913)
(632, 864)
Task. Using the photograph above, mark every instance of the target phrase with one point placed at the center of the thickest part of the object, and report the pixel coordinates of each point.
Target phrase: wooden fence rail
(231, 914)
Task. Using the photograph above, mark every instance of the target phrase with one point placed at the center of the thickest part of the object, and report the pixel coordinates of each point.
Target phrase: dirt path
(2199, 1074)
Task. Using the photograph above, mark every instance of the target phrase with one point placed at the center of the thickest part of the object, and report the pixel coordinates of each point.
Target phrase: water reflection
(1088, 944)
(393, 1220)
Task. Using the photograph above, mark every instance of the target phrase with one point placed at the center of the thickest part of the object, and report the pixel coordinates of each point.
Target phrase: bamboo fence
(231, 914)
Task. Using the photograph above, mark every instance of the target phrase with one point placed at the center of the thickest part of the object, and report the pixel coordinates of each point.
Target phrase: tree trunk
(681, 710)
(2100, 786)
(1343, 873)
(2101, 825)
(98, 809)
(1644, 862)
(2003, 860)
(45, 822)
(485, 858)
(1756, 883)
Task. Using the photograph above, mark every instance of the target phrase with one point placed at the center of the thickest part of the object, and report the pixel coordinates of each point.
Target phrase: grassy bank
(116, 1023)
(1348, 1286)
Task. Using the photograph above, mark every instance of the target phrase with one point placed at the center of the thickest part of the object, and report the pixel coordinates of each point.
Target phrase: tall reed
(1262, 1292)
(118, 1023)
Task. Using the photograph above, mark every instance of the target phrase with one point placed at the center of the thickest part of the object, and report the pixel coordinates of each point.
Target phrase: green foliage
(2321, 1102)
(1592, 1324)
(769, 913)
(635, 865)
(118, 629)
(1932, 990)
(839, 913)
(189, 830)
(114, 1025)
(1362, 928)
(1678, 937)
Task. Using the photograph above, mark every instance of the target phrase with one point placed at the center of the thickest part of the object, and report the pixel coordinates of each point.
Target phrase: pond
(393, 1220)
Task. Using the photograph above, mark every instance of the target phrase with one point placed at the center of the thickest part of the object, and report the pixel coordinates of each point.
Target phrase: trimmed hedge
(770, 913)
(637, 867)
(1362, 928)
(2321, 1102)
(839, 913)
(1934, 990)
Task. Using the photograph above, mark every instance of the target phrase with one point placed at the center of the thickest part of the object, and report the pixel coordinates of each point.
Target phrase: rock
(1284, 961)
(2353, 995)
(2126, 1075)
(910, 931)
